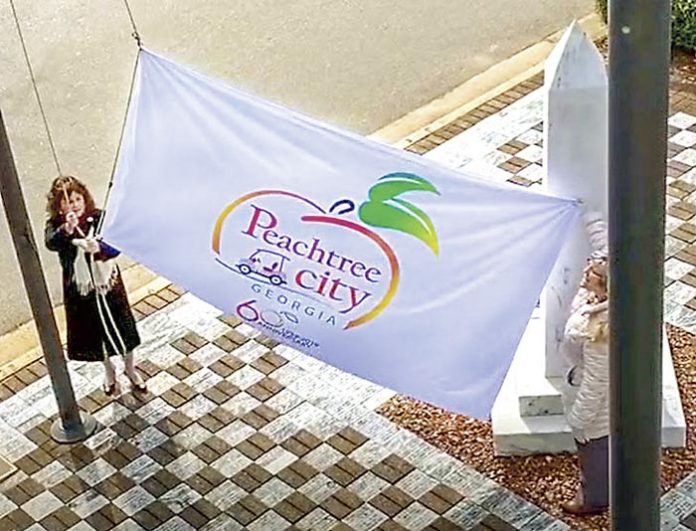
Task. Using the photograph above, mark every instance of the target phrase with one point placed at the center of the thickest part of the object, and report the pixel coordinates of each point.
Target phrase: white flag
(372, 259)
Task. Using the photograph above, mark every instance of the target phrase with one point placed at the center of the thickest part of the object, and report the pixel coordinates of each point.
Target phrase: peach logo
(292, 250)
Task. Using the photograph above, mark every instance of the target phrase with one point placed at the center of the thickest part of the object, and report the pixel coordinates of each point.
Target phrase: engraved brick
(156, 301)
(260, 416)
(18, 496)
(345, 471)
(27, 465)
(241, 514)
(250, 450)
(264, 389)
(173, 399)
(295, 446)
(193, 517)
(144, 518)
(111, 513)
(154, 487)
(308, 439)
(688, 255)
(689, 279)
(232, 362)
(183, 346)
(216, 396)
(519, 180)
(223, 415)
(199, 484)
(176, 289)
(205, 453)
(348, 498)
(261, 441)
(435, 503)
(297, 474)
(267, 341)
(443, 524)
(254, 420)
(251, 477)
(144, 308)
(236, 337)
(212, 476)
(167, 479)
(67, 517)
(186, 391)
(221, 368)
(61, 491)
(288, 511)
(676, 192)
(263, 366)
(253, 505)
(224, 343)
(385, 505)
(335, 508)
(392, 468)
(683, 235)
(230, 320)
(207, 509)
(168, 295)
(210, 423)
(493, 522)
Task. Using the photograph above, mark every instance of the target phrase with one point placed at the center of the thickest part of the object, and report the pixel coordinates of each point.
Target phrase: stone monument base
(528, 413)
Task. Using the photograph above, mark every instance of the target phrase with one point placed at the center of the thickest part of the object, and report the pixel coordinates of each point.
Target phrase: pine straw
(545, 480)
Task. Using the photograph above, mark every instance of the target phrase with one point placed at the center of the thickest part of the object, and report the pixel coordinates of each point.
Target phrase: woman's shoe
(579, 509)
(109, 389)
(139, 386)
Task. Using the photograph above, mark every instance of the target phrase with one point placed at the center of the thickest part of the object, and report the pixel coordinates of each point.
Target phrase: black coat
(88, 332)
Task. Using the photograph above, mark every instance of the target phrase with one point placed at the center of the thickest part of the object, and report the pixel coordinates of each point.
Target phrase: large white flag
(372, 259)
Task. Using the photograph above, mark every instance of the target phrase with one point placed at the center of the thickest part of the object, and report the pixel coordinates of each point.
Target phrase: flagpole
(639, 51)
(72, 425)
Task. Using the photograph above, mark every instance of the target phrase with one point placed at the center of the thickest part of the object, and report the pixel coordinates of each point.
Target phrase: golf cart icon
(268, 264)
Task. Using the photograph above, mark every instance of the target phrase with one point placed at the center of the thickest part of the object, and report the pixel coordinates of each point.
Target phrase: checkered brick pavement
(235, 432)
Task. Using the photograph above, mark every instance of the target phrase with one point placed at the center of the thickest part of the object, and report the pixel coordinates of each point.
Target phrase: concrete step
(528, 414)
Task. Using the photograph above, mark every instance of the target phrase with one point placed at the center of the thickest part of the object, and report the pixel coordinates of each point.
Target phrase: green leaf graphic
(384, 209)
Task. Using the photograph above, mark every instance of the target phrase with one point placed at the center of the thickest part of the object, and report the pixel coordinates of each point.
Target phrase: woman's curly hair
(66, 185)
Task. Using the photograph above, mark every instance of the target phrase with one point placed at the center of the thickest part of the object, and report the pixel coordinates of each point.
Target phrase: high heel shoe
(140, 386)
(109, 389)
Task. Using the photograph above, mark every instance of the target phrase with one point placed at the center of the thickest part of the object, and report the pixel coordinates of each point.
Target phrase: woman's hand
(71, 222)
(91, 246)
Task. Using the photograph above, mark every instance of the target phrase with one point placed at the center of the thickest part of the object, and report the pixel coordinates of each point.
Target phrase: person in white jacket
(586, 393)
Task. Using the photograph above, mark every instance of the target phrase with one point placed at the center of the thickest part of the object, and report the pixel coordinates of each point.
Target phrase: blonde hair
(598, 327)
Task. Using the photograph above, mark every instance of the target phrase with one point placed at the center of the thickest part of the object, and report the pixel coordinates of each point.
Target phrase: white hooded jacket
(586, 390)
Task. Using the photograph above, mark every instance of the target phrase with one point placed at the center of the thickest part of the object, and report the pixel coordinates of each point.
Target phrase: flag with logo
(372, 259)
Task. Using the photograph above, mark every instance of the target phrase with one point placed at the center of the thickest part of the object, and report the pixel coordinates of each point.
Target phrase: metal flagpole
(639, 52)
(72, 425)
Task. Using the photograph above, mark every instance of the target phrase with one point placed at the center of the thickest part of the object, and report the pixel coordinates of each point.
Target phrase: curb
(19, 348)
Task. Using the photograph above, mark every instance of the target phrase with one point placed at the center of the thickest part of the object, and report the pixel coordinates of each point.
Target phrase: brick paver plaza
(237, 432)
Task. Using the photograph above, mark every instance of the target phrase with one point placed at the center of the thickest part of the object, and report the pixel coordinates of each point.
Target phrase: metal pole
(72, 425)
(639, 51)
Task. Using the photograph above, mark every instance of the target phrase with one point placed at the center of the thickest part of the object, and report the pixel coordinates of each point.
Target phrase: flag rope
(36, 88)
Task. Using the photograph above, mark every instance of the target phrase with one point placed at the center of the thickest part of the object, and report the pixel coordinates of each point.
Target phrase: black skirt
(99, 325)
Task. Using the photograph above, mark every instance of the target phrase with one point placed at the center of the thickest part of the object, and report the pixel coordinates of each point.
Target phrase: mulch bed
(682, 70)
(545, 480)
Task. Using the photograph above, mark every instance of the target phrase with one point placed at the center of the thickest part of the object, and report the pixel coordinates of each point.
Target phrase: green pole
(639, 52)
